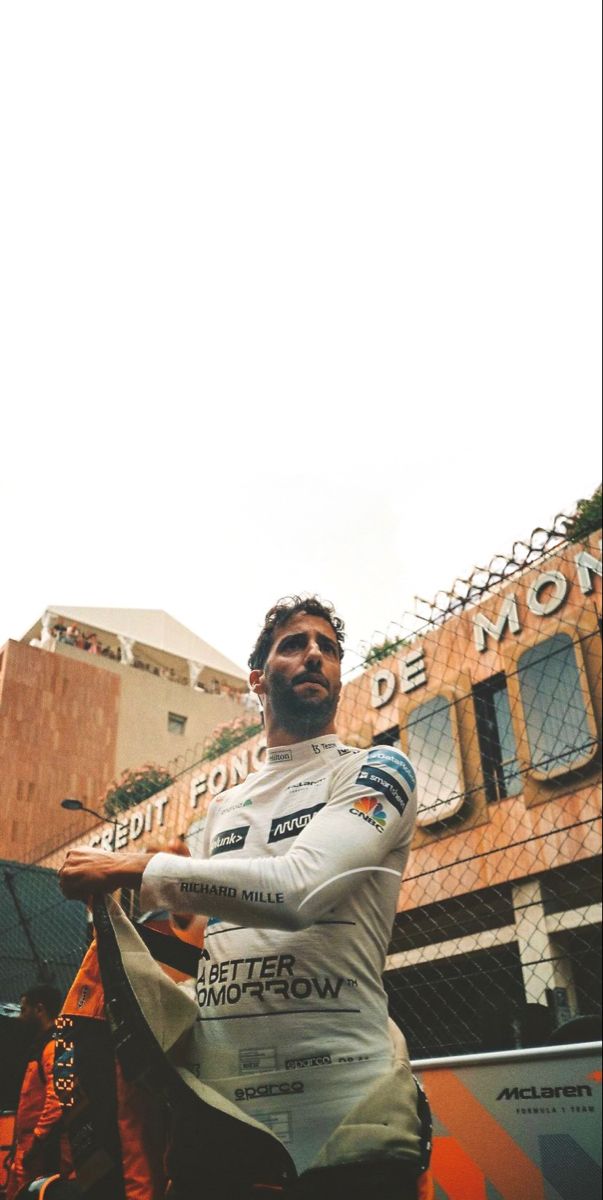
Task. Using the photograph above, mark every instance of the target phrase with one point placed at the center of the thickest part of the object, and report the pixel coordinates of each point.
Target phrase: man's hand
(88, 872)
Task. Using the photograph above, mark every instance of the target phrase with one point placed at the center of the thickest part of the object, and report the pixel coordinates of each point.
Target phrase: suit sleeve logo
(371, 811)
(387, 771)
(229, 839)
(290, 825)
(394, 760)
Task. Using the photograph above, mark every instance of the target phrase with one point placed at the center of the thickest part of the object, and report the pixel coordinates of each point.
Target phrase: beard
(301, 715)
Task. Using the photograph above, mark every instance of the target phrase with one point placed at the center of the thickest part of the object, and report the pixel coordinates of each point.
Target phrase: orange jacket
(38, 1116)
(131, 1162)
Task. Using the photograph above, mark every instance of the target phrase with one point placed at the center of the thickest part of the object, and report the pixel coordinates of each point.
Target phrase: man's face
(302, 676)
(29, 1013)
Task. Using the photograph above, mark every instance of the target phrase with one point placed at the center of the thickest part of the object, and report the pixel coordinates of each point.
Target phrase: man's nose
(313, 653)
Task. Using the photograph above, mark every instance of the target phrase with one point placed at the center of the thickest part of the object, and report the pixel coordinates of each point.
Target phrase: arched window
(557, 708)
(434, 753)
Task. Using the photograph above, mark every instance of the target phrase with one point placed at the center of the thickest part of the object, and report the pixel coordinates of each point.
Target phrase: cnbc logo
(370, 810)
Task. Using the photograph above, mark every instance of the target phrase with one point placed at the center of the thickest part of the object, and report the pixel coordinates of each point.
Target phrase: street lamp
(77, 806)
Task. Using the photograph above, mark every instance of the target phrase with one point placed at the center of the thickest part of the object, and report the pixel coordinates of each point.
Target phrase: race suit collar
(284, 756)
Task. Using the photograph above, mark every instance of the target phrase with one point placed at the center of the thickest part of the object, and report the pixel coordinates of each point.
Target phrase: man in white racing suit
(299, 881)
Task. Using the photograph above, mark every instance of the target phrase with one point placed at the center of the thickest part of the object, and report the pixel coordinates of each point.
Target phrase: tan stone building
(88, 692)
(494, 691)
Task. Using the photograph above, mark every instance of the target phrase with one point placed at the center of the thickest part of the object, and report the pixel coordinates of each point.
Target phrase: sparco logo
(230, 839)
(266, 1090)
(316, 1060)
(289, 826)
(545, 1093)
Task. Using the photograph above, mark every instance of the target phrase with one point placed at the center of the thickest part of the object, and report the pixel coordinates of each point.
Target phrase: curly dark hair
(282, 611)
(46, 995)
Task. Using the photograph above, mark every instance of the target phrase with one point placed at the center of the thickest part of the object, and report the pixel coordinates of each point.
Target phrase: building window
(176, 723)
(432, 748)
(496, 739)
(557, 710)
(389, 737)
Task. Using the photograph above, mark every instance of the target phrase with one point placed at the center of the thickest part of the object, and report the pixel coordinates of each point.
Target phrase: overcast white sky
(294, 296)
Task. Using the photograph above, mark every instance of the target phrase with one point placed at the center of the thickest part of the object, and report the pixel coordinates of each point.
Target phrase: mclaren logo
(532, 1092)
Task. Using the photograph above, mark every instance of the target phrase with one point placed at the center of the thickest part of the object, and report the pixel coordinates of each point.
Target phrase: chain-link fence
(494, 691)
(42, 935)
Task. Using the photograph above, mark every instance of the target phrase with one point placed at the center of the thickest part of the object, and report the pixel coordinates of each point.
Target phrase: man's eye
(291, 644)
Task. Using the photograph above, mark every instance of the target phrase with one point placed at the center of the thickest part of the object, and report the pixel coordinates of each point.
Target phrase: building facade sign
(154, 815)
(546, 595)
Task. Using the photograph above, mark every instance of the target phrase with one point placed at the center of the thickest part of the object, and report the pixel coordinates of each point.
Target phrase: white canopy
(148, 627)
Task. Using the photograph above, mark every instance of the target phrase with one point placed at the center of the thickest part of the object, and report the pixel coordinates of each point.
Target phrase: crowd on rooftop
(72, 635)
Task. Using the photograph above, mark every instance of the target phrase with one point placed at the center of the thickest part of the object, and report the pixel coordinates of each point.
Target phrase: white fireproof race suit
(301, 878)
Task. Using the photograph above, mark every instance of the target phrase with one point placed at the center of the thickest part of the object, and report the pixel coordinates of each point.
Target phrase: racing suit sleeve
(370, 813)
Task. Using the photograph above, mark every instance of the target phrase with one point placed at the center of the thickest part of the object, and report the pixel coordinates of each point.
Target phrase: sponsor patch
(262, 1059)
(279, 1123)
(387, 756)
(229, 839)
(382, 781)
(314, 1060)
(318, 747)
(229, 808)
(370, 810)
(276, 756)
(290, 825)
(225, 984)
(265, 1091)
(207, 889)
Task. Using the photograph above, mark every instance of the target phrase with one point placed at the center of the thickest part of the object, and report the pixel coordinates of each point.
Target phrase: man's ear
(256, 682)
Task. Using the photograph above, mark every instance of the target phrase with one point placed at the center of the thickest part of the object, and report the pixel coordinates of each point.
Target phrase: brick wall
(58, 736)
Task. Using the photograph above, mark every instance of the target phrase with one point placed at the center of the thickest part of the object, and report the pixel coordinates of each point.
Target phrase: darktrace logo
(229, 839)
(371, 811)
(289, 826)
(265, 1091)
